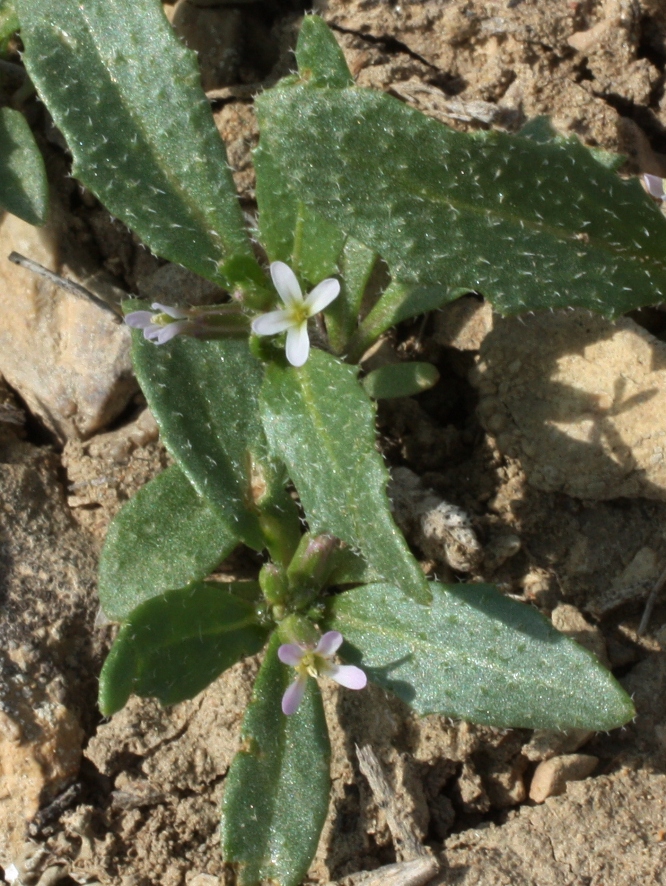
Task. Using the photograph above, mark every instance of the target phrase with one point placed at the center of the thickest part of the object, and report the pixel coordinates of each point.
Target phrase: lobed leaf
(276, 794)
(173, 646)
(320, 422)
(205, 397)
(24, 189)
(127, 96)
(479, 656)
(529, 223)
(166, 536)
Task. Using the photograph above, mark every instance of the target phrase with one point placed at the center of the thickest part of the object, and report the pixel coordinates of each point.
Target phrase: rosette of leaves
(346, 178)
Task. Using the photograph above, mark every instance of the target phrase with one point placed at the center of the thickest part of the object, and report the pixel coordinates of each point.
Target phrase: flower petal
(322, 295)
(329, 643)
(171, 330)
(348, 676)
(286, 284)
(139, 319)
(293, 696)
(176, 313)
(654, 185)
(290, 654)
(152, 331)
(272, 323)
(298, 344)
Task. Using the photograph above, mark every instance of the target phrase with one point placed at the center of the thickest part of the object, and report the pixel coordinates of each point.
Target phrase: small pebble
(551, 777)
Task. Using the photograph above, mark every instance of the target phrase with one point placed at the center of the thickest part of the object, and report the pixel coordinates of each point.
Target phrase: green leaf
(479, 656)
(529, 224)
(290, 231)
(356, 263)
(320, 60)
(9, 25)
(204, 395)
(400, 380)
(320, 422)
(127, 96)
(399, 301)
(175, 645)
(24, 190)
(166, 536)
(276, 793)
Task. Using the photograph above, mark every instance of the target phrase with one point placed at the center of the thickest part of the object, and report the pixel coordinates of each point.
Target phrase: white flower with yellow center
(293, 318)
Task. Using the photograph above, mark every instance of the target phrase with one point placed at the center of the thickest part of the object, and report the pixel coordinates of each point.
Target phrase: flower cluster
(317, 662)
(162, 322)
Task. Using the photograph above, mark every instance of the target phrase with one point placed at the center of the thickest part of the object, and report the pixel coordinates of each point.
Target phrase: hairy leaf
(204, 395)
(127, 96)
(477, 655)
(166, 536)
(356, 264)
(276, 795)
(173, 646)
(530, 224)
(9, 24)
(320, 60)
(320, 422)
(400, 380)
(24, 190)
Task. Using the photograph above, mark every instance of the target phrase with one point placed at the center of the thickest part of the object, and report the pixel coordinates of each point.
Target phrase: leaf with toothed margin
(126, 95)
(276, 793)
(476, 655)
(24, 189)
(320, 60)
(172, 646)
(292, 232)
(205, 397)
(166, 536)
(320, 423)
(529, 223)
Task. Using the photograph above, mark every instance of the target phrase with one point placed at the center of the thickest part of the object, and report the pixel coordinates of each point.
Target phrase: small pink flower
(317, 662)
(293, 318)
(162, 322)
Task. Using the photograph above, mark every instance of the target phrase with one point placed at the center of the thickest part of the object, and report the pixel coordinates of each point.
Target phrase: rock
(579, 400)
(633, 583)
(175, 285)
(214, 33)
(105, 471)
(584, 41)
(442, 530)
(463, 323)
(46, 654)
(570, 621)
(66, 357)
(603, 831)
(40, 745)
(236, 122)
(552, 776)
(547, 743)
